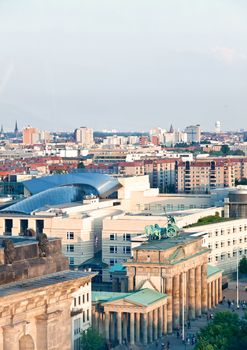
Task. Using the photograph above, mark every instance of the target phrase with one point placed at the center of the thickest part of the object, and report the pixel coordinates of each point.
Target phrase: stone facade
(176, 268)
(35, 308)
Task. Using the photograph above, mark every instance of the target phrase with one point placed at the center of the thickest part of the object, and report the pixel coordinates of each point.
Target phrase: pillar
(216, 292)
(175, 302)
(220, 288)
(112, 326)
(137, 328)
(125, 325)
(144, 329)
(204, 279)
(107, 323)
(164, 285)
(132, 328)
(181, 295)
(150, 326)
(209, 296)
(191, 293)
(213, 293)
(165, 322)
(155, 322)
(115, 284)
(10, 338)
(198, 284)
(160, 321)
(169, 303)
(119, 327)
(130, 283)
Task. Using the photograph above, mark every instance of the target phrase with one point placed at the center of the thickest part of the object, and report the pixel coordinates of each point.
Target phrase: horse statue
(155, 232)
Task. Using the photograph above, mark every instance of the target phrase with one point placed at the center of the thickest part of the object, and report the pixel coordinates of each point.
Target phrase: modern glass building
(55, 190)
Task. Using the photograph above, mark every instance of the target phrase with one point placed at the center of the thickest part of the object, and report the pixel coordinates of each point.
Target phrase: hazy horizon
(125, 65)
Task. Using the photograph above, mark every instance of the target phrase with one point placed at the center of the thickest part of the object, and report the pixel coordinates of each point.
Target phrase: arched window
(26, 343)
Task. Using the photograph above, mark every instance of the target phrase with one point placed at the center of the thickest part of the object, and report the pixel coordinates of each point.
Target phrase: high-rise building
(84, 136)
(193, 133)
(217, 127)
(30, 135)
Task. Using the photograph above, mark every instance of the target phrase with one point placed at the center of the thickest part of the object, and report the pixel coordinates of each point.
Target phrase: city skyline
(125, 65)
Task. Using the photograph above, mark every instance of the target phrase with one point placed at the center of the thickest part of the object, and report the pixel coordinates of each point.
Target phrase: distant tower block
(218, 127)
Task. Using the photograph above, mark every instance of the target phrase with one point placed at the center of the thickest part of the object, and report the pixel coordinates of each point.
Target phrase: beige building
(224, 239)
(163, 276)
(84, 136)
(36, 290)
(78, 226)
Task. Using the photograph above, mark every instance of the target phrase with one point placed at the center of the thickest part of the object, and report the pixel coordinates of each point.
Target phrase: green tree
(226, 332)
(92, 340)
(80, 165)
(243, 265)
(225, 149)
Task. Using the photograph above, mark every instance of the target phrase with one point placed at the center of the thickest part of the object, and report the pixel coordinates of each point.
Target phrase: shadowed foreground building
(164, 277)
(36, 290)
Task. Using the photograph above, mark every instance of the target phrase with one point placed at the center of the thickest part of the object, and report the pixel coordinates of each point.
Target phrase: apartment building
(224, 239)
(81, 314)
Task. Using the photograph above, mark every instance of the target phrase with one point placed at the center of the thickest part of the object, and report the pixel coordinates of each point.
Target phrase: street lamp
(183, 307)
(237, 280)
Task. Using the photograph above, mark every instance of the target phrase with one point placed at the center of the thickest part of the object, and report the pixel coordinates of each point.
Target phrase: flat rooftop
(167, 243)
(41, 282)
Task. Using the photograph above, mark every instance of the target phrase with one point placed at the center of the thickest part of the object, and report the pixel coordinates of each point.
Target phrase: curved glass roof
(104, 184)
(63, 189)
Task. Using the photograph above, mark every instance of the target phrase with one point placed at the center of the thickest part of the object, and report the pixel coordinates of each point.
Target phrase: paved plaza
(176, 343)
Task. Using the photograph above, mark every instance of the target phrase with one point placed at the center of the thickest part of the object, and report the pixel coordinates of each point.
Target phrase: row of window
(229, 243)
(81, 299)
(114, 249)
(126, 237)
(228, 231)
(78, 321)
(115, 261)
(228, 255)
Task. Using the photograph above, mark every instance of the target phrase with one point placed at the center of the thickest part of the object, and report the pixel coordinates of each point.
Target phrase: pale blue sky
(123, 64)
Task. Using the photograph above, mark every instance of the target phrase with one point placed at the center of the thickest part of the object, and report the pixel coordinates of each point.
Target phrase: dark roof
(41, 282)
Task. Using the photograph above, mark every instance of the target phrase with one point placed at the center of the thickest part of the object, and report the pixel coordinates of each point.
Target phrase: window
(70, 248)
(113, 262)
(228, 243)
(209, 245)
(87, 296)
(83, 298)
(229, 254)
(87, 315)
(126, 237)
(216, 258)
(216, 245)
(74, 302)
(126, 250)
(113, 236)
(71, 261)
(222, 232)
(216, 233)
(222, 244)
(70, 235)
(113, 249)
(83, 317)
(79, 300)
(77, 326)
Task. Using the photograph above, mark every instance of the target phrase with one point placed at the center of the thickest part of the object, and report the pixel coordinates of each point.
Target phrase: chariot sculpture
(155, 232)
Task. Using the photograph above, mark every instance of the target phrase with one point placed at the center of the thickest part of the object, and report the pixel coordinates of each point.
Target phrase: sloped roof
(142, 297)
